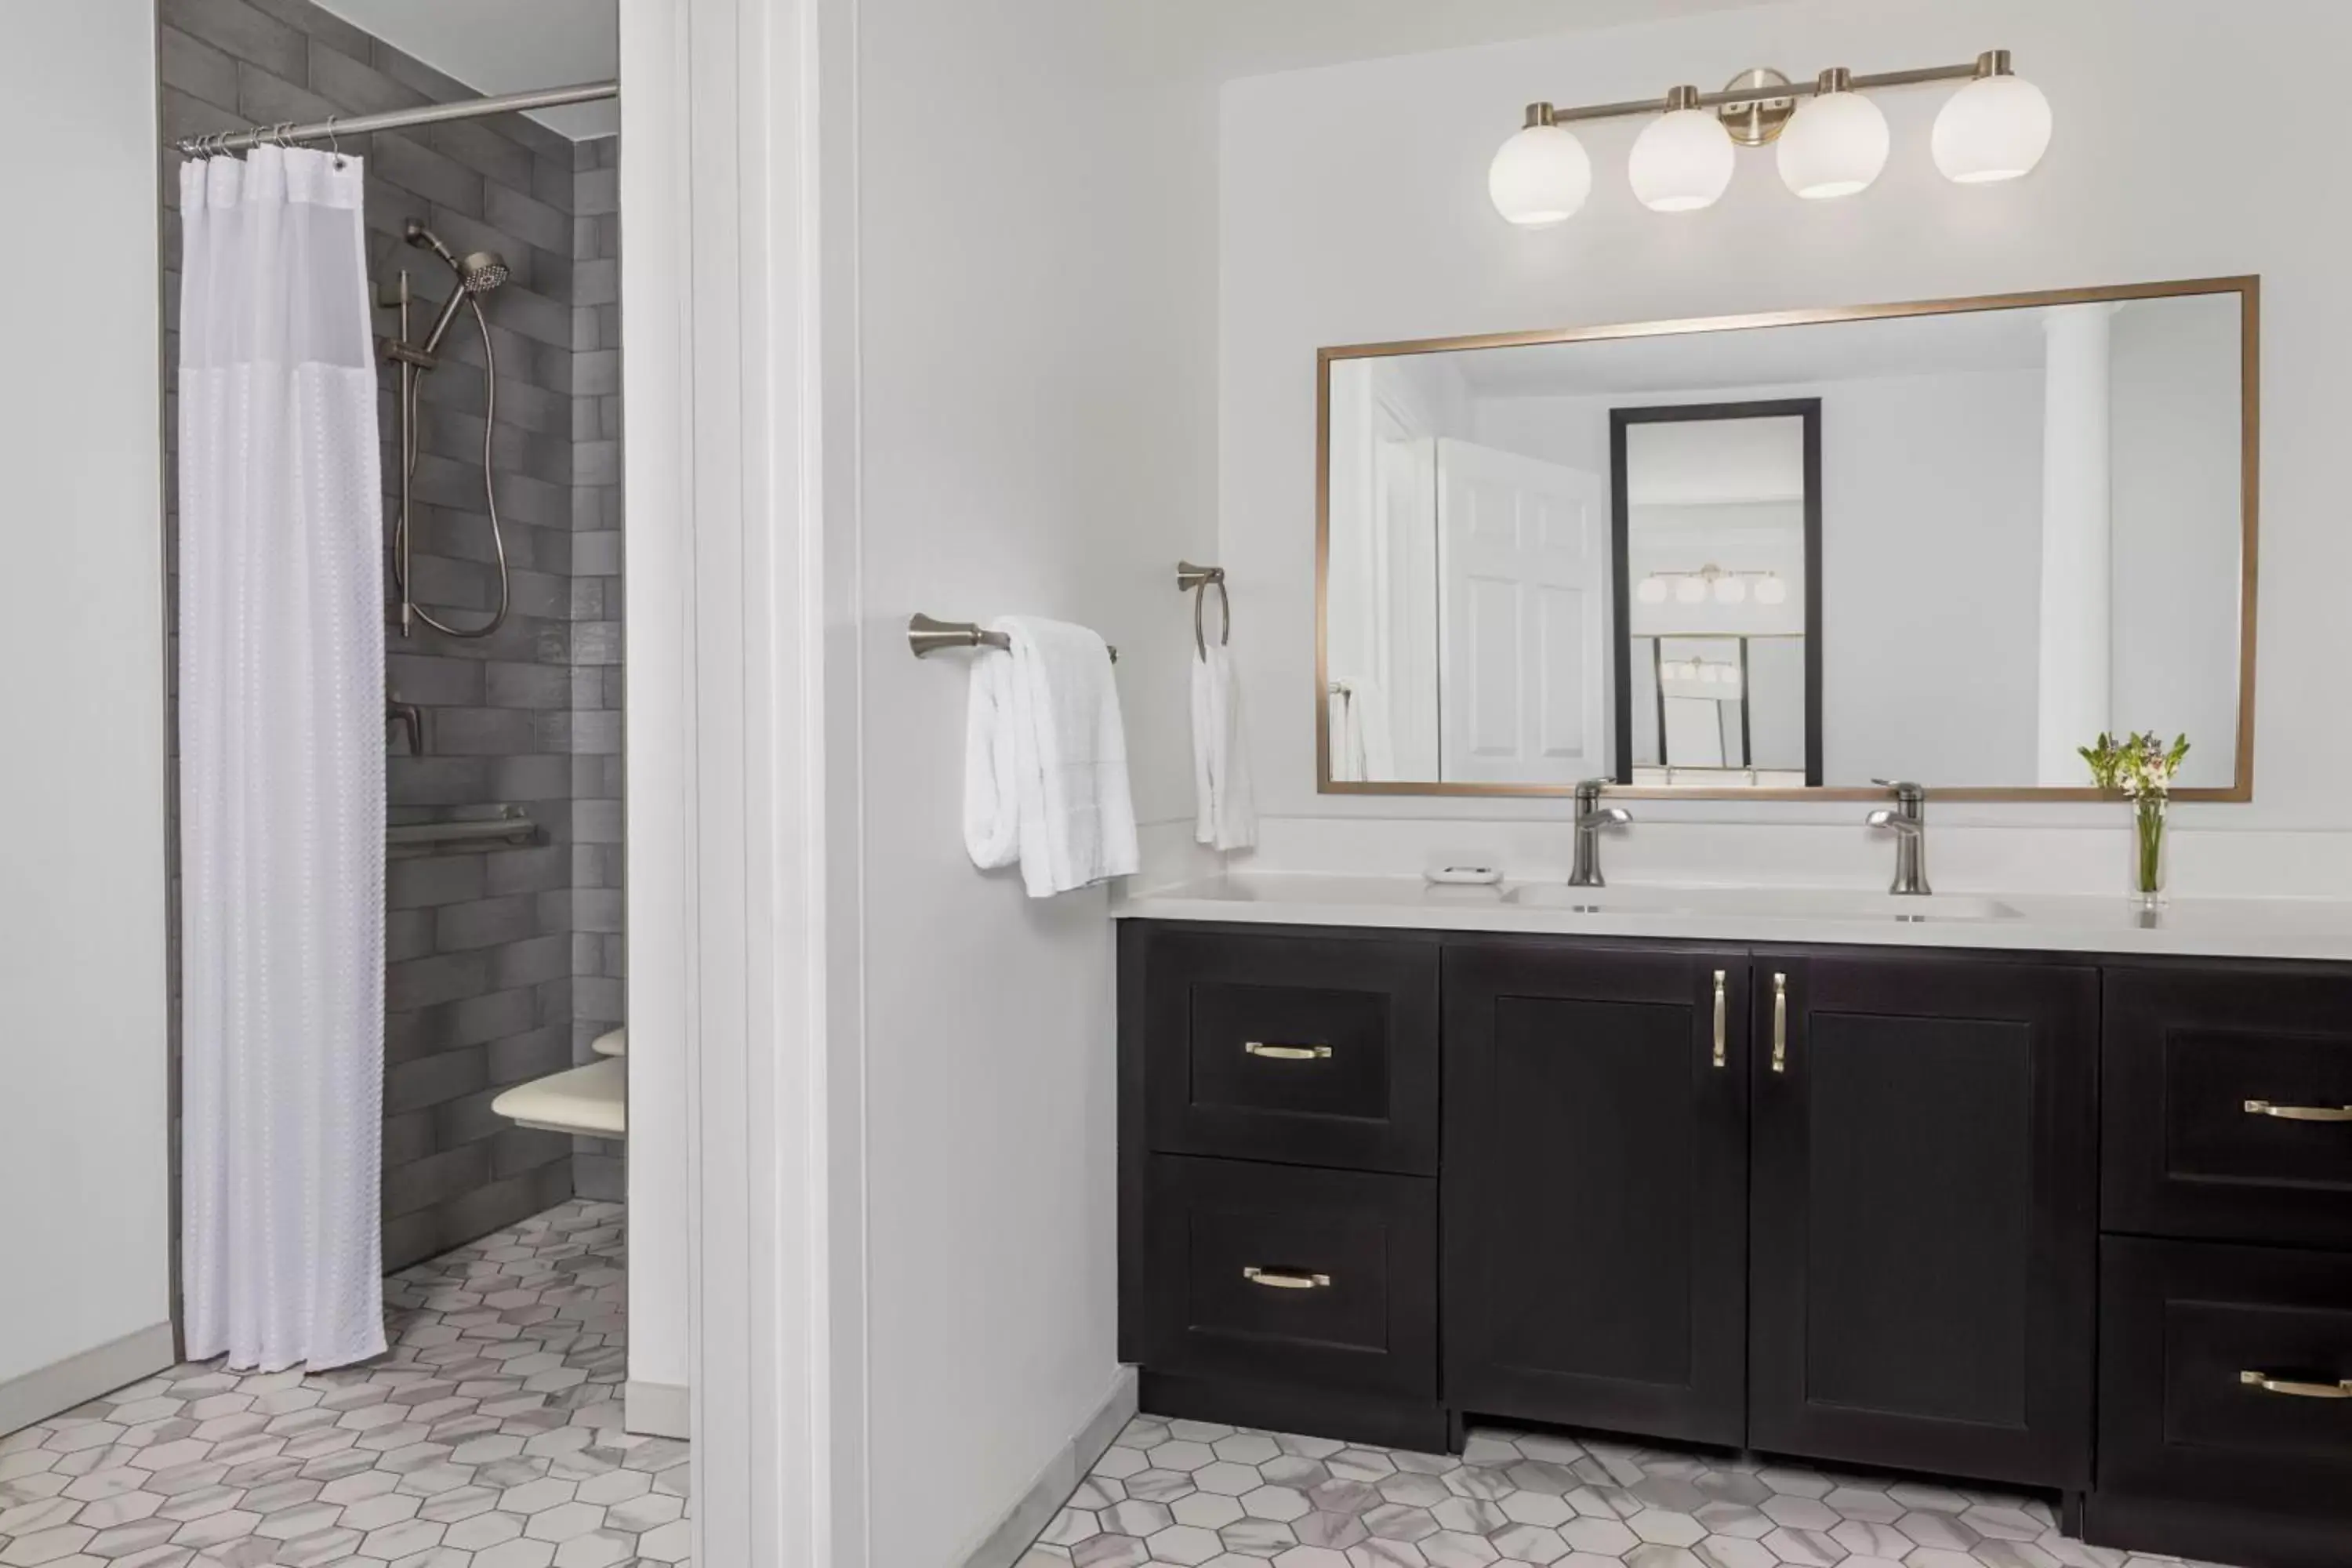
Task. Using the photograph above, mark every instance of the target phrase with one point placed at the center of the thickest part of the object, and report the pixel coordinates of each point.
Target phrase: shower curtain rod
(328, 129)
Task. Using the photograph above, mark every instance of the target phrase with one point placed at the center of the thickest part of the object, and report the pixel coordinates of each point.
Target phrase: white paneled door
(1523, 556)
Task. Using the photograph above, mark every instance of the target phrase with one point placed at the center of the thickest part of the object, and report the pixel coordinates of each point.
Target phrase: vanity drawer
(1291, 1275)
(2228, 1100)
(2184, 1325)
(1307, 1050)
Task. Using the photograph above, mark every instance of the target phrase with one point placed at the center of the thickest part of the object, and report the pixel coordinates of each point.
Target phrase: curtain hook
(334, 143)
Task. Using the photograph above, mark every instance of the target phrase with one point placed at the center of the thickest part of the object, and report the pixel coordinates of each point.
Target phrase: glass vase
(2148, 850)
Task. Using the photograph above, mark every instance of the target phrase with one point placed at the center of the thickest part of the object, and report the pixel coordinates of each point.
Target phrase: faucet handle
(1587, 791)
(1904, 790)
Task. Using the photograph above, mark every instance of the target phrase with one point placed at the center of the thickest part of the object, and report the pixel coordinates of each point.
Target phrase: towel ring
(1198, 580)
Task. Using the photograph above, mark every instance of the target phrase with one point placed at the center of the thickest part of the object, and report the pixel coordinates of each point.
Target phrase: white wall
(1036, 281)
(85, 1222)
(1354, 209)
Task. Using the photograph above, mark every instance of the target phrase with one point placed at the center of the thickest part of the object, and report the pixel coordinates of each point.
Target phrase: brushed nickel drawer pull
(1287, 1280)
(1780, 1023)
(1718, 1017)
(2300, 1112)
(2287, 1386)
(1287, 1053)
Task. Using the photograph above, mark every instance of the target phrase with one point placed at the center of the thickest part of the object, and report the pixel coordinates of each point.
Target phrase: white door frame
(737, 183)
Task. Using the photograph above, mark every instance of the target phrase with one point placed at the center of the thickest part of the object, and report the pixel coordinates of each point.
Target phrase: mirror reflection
(1951, 543)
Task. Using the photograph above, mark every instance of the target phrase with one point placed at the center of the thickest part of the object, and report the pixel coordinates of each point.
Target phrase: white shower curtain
(281, 766)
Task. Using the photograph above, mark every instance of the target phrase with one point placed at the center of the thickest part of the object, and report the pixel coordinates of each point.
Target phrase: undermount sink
(1763, 903)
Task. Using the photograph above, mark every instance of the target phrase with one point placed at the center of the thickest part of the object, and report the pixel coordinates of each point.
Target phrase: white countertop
(2233, 928)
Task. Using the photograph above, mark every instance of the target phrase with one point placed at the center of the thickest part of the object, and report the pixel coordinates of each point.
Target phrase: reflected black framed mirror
(1716, 527)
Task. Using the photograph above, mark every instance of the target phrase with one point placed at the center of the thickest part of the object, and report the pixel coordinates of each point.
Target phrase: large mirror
(1950, 542)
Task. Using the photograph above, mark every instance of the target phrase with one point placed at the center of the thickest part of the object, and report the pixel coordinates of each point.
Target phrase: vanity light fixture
(1836, 145)
(1832, 139)
(1683, 160)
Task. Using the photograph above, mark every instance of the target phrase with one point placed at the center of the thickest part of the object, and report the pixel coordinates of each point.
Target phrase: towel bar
(926, 635)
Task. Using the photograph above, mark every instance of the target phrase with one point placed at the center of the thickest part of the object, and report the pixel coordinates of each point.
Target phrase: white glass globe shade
(1731, 676)
(1540, 176)
(1690, 590)
(1730, 591)
(1996, 128)
(1834, 145)
(1707, 673)
(1652, 590)
(1772, 591)
(1681, 161)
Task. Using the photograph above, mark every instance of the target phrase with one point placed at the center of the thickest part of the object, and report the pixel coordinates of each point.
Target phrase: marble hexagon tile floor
(488, 1436)
(1186, 1493)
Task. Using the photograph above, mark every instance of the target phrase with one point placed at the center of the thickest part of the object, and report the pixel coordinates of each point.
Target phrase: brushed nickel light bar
(1833, 141)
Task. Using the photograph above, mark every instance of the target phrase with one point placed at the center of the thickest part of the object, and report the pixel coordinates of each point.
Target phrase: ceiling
(1249, 37)
(508, 46)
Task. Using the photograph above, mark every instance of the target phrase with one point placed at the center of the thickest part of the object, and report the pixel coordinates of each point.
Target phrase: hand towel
(1225, 814)
(1046, 760)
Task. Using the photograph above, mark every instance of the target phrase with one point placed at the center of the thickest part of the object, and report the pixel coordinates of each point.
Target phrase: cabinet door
(1924, 1227)
(1594, 1197)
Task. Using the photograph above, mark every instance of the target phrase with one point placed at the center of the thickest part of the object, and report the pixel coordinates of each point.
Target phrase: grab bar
(511, 826)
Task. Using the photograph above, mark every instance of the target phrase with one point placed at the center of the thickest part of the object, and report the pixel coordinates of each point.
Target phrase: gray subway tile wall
(592, 719)
(501, 966)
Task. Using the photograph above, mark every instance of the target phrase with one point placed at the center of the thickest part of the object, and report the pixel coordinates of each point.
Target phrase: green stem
(2150, 822)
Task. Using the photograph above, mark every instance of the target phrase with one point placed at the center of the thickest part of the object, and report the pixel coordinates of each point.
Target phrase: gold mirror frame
(2249, 292)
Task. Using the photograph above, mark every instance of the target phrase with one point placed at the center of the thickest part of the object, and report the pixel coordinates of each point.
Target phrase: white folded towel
(1226, 807)
(1046, 760)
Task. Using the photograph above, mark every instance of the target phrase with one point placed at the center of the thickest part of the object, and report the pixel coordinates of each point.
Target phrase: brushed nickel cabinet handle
(2300, 1112)
(2287, 1386)
(1780, 1023)
(1287, 1280)
(1718, 1017)
(1287, 1053)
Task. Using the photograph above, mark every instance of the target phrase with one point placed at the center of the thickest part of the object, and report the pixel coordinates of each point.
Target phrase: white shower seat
(615, 1044)
(589, 1101)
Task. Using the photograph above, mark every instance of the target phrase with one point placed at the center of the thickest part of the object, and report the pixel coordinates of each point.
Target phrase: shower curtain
(281, 766)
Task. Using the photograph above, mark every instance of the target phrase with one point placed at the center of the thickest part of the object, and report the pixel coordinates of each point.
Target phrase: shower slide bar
(336, 125)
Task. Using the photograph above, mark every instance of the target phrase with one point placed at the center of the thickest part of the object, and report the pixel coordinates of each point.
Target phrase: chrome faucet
(1591, 817)
(1908, 823)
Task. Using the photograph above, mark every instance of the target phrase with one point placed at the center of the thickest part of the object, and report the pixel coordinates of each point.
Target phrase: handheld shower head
(478, 273)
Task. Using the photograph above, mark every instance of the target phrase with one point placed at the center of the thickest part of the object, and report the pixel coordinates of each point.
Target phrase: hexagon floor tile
(1188, 1492)
(487, 1437)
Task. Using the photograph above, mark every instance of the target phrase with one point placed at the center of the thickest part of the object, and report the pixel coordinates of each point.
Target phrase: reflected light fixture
(1833, 141)
(1683, 160)
(1710, 582)
(1836, 145)
(1542, 175)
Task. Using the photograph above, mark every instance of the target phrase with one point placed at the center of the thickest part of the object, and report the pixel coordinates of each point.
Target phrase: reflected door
(1523, 566)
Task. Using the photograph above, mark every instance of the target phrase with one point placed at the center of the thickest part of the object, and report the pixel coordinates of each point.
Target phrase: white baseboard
(1004, 1544)
(657, 1409)
(60, 1387)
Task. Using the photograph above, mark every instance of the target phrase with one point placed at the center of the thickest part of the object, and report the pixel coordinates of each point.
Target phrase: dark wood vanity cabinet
(1596, 1186)
(1922, 1192)
(2225, 1283)
(2072, 1224)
